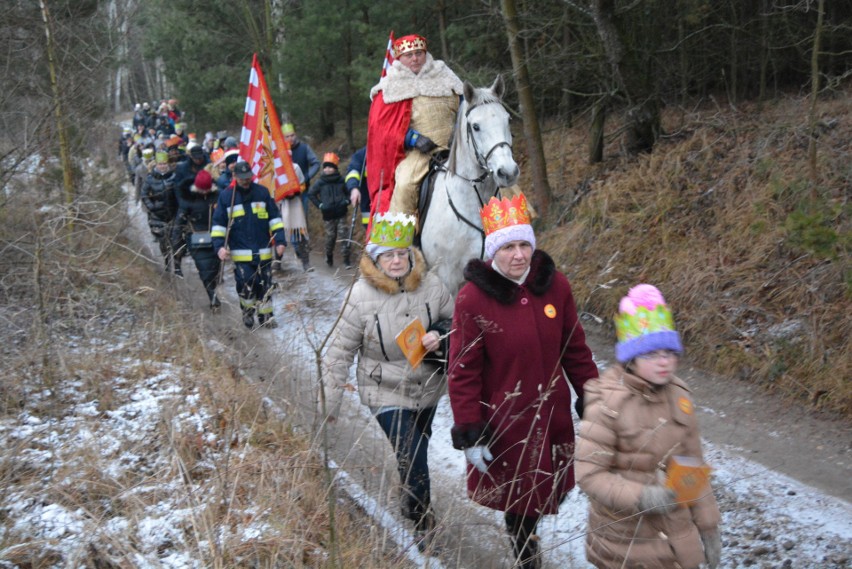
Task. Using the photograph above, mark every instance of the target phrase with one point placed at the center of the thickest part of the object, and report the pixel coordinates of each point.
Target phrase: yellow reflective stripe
(365, 217)
(353, 175)
(265, 308)
(218, 231)
(276, 224)
(237, 211)
(265, 254)
(241, 255)
(246, 302)
(259, 209)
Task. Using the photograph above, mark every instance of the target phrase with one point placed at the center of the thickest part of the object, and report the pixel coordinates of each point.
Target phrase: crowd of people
(509, 349)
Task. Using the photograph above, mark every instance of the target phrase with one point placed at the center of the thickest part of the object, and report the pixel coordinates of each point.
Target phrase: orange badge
(685, 405)
(550, 311)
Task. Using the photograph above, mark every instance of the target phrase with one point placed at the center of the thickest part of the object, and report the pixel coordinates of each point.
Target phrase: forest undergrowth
(132, 439)
(753, 256)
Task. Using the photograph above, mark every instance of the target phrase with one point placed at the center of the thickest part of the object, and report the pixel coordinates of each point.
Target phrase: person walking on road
(640, 421)
(393, 290)
(246, 225)
(516, 337)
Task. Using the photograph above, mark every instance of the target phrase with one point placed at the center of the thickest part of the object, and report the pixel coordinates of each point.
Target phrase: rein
(482, 162)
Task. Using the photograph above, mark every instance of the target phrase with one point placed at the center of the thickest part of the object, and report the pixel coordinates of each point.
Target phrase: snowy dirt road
(781, 474)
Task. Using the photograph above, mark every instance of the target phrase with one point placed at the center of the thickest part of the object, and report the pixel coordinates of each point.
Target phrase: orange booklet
(410, 344)
(689, 477)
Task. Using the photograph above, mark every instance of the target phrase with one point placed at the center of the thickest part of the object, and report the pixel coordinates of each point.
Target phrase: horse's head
(484, 134)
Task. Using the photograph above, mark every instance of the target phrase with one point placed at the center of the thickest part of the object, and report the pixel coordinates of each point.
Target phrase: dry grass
(722, 217)
(87, 334)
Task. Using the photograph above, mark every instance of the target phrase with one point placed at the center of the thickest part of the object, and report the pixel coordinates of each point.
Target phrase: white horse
(480, 163)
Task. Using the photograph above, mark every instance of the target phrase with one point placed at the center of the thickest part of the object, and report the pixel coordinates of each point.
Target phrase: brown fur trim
(504, 291)
(371, 273)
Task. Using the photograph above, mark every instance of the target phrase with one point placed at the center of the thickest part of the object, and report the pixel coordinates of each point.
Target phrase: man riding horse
(411, 118)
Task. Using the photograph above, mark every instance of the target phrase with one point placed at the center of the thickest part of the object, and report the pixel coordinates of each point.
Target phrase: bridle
(482, 162)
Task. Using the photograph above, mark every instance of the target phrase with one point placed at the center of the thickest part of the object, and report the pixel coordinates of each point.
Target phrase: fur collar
(371, 273)
(504, 291)
(434, 80)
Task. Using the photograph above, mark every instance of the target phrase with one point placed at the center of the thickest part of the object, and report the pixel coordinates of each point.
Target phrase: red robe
(387, 125)
(508, 350)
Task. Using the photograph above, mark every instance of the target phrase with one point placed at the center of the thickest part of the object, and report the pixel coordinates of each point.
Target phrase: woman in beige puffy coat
(637, 418)
(394, 289)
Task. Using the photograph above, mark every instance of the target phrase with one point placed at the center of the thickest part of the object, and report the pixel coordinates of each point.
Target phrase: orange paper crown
(408, 43)
(498, 214)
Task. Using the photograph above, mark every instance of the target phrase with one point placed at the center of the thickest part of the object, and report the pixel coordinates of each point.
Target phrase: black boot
(329, 260)
(347, 263)
(215, 303)
(266, 321)
(248, 318)
(524, 541)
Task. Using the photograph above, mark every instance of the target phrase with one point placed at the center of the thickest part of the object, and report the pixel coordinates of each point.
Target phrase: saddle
(427, 187)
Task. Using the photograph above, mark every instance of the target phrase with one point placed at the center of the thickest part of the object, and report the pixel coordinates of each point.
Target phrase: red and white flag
(261, 143)
(389, 58)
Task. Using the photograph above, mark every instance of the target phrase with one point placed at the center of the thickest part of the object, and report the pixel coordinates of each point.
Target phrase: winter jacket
(330, 195)
(628, 434)
(187, 170)
(304, 156)
(224, 180)
(356, 178)
(158, 196)
(509, 350)
(376, 310)
(254, 217)
(195, 210)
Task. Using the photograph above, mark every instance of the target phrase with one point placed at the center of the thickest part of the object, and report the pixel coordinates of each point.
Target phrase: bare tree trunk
(734, 64)
(812, 114)
(764, 52)
(441, 8)
(532, 133)
(64, 147)
(596, 135)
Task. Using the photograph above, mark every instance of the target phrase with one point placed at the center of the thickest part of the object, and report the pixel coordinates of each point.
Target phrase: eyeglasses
(657, 355)
(392, 255)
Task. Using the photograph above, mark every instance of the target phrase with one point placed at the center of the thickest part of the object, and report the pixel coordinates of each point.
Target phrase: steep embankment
(723, 217)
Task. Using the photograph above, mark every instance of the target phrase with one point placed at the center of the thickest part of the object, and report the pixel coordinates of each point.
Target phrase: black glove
(579, 406)
(424, 144)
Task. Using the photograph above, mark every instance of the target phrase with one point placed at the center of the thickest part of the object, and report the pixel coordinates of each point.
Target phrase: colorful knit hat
(504, 221)
(390, 231)
(288, 128)
(644, 324)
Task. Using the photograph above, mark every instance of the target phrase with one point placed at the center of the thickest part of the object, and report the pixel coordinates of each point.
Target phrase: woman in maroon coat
(516, 337)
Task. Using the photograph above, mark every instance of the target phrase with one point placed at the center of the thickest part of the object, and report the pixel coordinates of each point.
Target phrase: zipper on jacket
(381, 340)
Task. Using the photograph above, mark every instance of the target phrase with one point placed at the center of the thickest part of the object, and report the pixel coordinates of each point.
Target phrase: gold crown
(498, 214)
(393, 230)
(408, 43)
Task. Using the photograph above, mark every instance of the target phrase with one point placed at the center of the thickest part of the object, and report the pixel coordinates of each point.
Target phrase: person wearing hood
(394, 289)
(516, 338)
(246, 227)
(411, 118)
(196, 201)
(639, 423)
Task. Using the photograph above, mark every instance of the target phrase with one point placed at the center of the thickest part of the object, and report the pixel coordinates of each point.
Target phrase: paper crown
(331, 158)
(394, 230)
(644, 323)
(217, 156)
(147, 153)
(288, 128)
(499, 214)
(162, 158)
(408, 43)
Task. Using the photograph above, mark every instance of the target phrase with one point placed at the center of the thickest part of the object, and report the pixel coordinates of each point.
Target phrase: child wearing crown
(394, 289)
(516, 338)
(639, 421)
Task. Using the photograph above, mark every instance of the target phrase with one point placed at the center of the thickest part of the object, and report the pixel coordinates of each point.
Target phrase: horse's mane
(481, 96)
